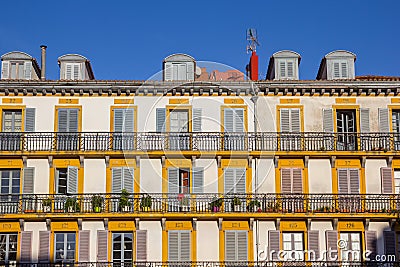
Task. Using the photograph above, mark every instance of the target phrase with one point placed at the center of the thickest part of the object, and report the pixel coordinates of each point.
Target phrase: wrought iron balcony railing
(204, 141)
(383, 204)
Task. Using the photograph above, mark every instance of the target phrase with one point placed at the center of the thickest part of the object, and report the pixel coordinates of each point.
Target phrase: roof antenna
(252, 67)
(251, 36)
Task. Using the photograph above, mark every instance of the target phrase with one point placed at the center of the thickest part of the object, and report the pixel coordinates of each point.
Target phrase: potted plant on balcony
(145, 203)
(71, 205)
(254, 205)
(97, 203)
(184, 202)
(46, 203)
(236, 204)
(124, 203)
(216, 204)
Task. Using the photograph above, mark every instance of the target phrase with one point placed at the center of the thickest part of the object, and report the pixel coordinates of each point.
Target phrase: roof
(179, 58)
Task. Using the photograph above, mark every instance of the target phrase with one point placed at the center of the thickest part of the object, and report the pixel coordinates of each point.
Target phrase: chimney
(43, 71)
(253, 66)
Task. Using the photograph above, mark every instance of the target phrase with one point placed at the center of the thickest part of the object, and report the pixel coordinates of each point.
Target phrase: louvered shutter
(128, 179)
(290, 72)
(190, 71)
(364, 120)
(76, 72)
(44, 246)
(68, 72)
(390, 242)
(63, 120)
(102, 246)
(297, 180)
(336, 70)
(27, 70)
(160, 120)
(173, 246)
(73, 120)
(343, 181)
(383, 117)
(116, 186)
(129, 122)
(285, 120)
(344, 69)
(370, 243)
(30, 119)
(387, 180)
(229, 180)
(72, 180)
(168, 71)
(313, 243)
(354, 181)
(274, 243)
(282, 69)
(5, 70)
(173, 180)
(198, 180)
(84, 249)
(328, 120)
(118, 120)
(240, 181)
(26, 247)
(331, 244)
(286, 180)
(295, 120)
(239, 120)
(185, 246)
(228, 120)
(141, 245)
(197, 119)
(241, 245)
(28, 182)
(230, 246)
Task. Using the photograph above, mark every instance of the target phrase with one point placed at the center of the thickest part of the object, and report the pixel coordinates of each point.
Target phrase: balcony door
(179, 128)
(179, 247)
(396, 128)
(12, 125)
(67, 126)
(349, 190)
(10, 190)
(124, 125)
(347, 129)
(234, 128)
(290, 127)
(352, 246)
(122, 247)
(293, 246)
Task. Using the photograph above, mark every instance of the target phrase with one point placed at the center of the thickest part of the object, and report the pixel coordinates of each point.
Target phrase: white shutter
(168, 71)
(228, 120)
(118, 120)
(26, 247)
(386, 180)
(240, 181)
(5, 70)
(84, 246)
(297, 180)
(128, 179)
(285, 120)
(196, 119)
(72, 180)
(383, 116)
(28, 182)
(313, 242)
(129, 122)
(295, 120)
(173, 246)
(77, 75)
(370, 243)
(68, 72)
(344, 69)
(364, 120)
(63, 120)
(185, 246)
(286, 180)
(354, 181)
(336, 70)
(190, 71)
(328, 120)
(343, 183)
(241, 245)
(44, 246)
(230, 246)
(30, 119)
(116, 185)
(160, 120)
(290, 69)
(28, 70)
(73, 120)
(141, 245)
(102, 246)
(173, 180)
(198, 180)
(282, 69)
(274, 243)
(229, 180)
(239, 120)
(331, 243)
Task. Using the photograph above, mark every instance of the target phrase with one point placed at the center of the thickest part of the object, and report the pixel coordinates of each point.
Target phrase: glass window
(61, 180)
(122, 247)
(8, 247)
(293, 246)
(352, 251)
(397, 181)
(65, 247)
(12, 120)
(17, 70)
(10, 184)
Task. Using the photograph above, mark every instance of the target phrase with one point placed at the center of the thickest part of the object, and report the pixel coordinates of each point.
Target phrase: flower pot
(215, 209)
(97, 209)
(46, 208)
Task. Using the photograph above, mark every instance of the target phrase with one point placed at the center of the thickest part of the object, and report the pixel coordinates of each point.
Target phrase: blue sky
(129, 39)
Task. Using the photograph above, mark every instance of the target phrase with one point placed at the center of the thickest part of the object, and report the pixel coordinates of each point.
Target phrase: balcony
(381, 205)
(204, 141)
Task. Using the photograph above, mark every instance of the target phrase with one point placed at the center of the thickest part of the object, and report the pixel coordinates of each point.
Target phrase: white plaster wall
(379, 227)
(150, 176)
(373, 103)
(42, 175)
(146, 109)
(373, 175)
(322, 227)
(211, 112)
(266, 176)
(92, 227)
(313, 107)
(154, 239)
(207, 241)
(45, 108)
(94, 176)
(96, 114)
(263, 228)
(319, 176)
(35, 227)
(210, 174)
(266, 114)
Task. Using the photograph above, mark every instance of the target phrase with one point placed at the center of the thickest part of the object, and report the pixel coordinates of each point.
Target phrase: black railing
(204, 141)
(201, 203)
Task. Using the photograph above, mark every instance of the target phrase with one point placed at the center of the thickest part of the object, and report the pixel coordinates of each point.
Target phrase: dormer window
(72, 71)
(284, 65)
(337, 65)
(286, 69)
(75, 67)
(340, 69)
(19, 66)
(179, 67)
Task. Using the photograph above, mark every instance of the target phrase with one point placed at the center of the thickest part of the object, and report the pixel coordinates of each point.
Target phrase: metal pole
(254, 100)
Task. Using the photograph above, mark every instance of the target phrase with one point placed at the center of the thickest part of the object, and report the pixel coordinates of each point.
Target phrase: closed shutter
(168, 71)
(63, 120)
(28, 70)
(44, 246)
(198, 180)
(290, 72)
(73, 121)
(354, 181)
(370, 243)
(228, 120)
(116, 185)
(240, 181)
(68, 120)
(286, 180)
(336, 70)
(274, 244)
(72, 180)
(344, 69)
(185, 246)
(383, 117)
(239, 120)
(364, 120)
(28, 182)
(241, 245)
(26, 247)
(328, 120)
(190, 71)
(160, 120)
(141, 245)
(390, 242)
(30, 119)
(5, 70)
(118, 120)
(297, 180)
(197, 119)
(76, 72)
(102, 246)
(343, 184)
(229, 180)
(291, 180)
(68, 72)
(295, 120)
(128, 179)
(285, 119)
(282, 69)
(331, 244)
(230, 245)
(124, 120)
(173, 246)
(173, 180)
(84, 249)
(313, 243)
(387, 180)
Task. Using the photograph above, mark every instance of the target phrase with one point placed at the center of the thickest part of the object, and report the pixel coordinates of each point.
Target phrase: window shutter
(313, 243)
(230, 245)
(26, 247)
(196, 119)
(160, 120)
(295, 120)
(229, 180)
(328, 120)
(343, 181)
(118, 120)
(30, 119)
(370, 243)
(364, 120)
(354, 181)
(102, 246)
(116, 180)
(198, 180)
(128, 179)
(185, 246)
(129, 122)
(274, 243)
(28, 70)
(390, 242)
(297, 180)
(63, 120)
(336, 70)
(331, 243)
(72, 180)
(68, 72)
(239, 120)
(241, 245)
(240, 181)
(282, 69)
(290, 69)
(168, 71)
(285, 119)
(28, 182)
(387, 180)
(286, 180)
(173, 246)
(44, 246)
(84, 249)
(173, 180)
(5, 70)
(190, 71)
(228, 120)
(73, 120)
(76, 72)
(344, 70)
(383, 117)
(141, 245)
